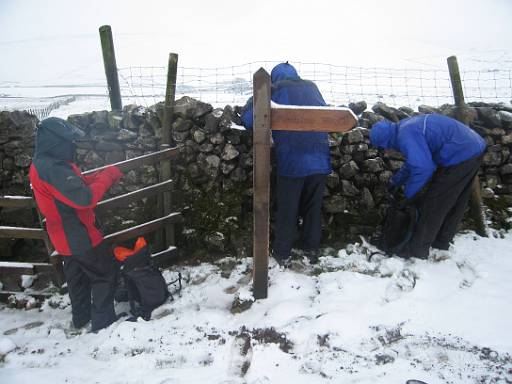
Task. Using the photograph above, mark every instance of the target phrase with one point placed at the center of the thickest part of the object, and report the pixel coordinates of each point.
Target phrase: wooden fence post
(109, 60)
(475, 202)
(261, 181)
(167, 140)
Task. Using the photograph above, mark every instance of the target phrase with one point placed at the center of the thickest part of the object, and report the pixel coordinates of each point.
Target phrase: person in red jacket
(67, 199)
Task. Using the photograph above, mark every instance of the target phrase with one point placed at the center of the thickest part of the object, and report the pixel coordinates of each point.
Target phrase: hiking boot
(79, 323)
(404, 253)
(74, 330)
(285, 262)
(440, 254)
(443, 245)
(312, 256)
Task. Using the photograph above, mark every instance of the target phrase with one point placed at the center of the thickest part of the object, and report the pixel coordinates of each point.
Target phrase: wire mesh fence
(219, 86)
(339, 85)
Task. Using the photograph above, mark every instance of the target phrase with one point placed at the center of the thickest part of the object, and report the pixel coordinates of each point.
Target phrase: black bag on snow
(144, 286)
(397, 228)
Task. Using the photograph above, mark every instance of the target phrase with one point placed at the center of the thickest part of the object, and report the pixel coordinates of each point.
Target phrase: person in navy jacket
(442, 157)
(67, 199)
(303, 161)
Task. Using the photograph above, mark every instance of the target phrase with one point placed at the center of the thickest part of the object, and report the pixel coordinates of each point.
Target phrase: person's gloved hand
(405, 203)
(114, 173)
(392, 190)
(238, 110)
(237, 115)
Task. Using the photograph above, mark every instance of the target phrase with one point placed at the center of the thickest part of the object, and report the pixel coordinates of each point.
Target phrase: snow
(13, 264)
(329, 108)
(351, 319)
(27, 280)
(17, 197)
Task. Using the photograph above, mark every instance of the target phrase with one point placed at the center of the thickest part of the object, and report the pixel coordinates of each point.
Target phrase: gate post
(109, 60)
(261, 182)
(167, 140)
(475, 201)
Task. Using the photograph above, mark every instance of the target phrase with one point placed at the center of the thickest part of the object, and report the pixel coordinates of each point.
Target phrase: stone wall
(213, 172)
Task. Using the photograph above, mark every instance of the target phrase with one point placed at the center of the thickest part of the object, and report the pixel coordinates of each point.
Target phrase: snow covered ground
(347, 320)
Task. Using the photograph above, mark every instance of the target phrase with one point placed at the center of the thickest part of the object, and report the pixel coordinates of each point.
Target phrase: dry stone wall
(213, 172)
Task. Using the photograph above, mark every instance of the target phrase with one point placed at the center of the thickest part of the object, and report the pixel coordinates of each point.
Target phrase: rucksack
(141, 283)
(397, 228)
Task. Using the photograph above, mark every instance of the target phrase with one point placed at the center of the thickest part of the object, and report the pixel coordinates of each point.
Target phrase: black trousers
(442, 207)
(92, 274)
(298, 197)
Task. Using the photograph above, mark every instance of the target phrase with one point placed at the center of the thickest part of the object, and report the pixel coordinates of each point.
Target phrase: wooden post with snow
(261, 181)
(269, 117)
(167, 142)
(475, 201)
(109, 60)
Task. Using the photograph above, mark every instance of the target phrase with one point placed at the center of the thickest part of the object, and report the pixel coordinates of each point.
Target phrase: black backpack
(397, 228)
(141, 283)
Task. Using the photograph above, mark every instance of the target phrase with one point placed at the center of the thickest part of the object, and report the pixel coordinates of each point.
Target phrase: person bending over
(442, 157)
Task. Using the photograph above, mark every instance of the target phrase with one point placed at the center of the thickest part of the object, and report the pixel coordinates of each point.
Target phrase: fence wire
(339, 85)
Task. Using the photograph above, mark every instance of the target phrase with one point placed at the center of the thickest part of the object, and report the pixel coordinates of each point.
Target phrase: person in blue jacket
(442, 157)
(303, 161)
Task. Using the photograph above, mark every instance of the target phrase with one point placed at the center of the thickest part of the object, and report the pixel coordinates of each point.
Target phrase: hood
(284, 71)
(56, 138)
(383, 134)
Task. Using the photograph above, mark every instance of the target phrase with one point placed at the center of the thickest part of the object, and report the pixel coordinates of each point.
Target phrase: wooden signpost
(267, 117)
(312, 119)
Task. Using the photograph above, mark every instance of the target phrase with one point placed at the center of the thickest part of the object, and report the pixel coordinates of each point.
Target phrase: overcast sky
(57, 41)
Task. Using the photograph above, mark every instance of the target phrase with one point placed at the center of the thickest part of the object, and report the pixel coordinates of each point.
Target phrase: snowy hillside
(348, 320)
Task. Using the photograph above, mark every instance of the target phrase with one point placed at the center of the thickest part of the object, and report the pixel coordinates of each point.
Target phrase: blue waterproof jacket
(299, 154)
(426, 141)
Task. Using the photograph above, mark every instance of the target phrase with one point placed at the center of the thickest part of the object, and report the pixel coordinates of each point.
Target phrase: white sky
(57, 41)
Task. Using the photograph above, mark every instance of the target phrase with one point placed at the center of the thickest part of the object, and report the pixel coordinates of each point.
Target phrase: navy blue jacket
(426, 141)
(299, 154)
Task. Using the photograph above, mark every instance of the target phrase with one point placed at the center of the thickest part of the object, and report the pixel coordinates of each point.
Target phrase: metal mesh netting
(338, 84)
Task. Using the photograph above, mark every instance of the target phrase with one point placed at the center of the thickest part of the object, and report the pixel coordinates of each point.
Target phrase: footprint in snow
(403, 282)
(469, 274)
(241, 355)
(27, 326)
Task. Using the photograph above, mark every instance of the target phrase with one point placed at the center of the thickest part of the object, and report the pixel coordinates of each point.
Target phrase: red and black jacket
(65, 197)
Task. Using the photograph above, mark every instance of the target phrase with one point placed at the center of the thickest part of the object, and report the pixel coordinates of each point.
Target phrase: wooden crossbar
(24, 268)
(16, 201)
(142, 229)
(141, 161)
(127, 198)
(22, 233)
(163, 258)
(17, 268)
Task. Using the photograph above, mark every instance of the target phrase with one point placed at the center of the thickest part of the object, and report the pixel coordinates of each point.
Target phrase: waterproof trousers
(92, 275)
(442, 207)
(298, 197)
